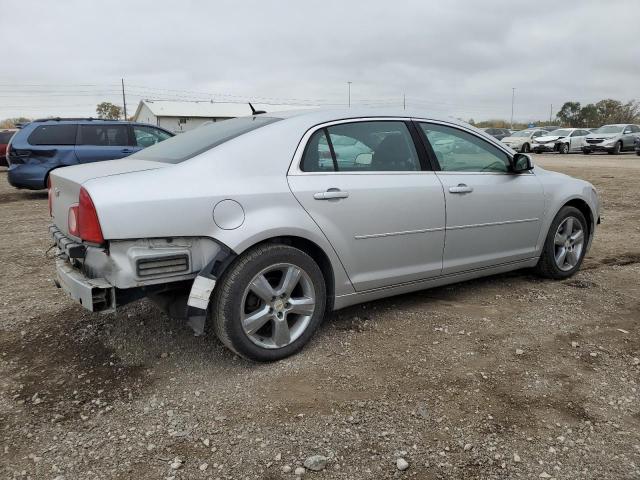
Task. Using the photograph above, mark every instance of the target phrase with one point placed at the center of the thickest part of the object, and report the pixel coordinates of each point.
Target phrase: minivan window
(64, 134)
(104, 135)
(194, 142)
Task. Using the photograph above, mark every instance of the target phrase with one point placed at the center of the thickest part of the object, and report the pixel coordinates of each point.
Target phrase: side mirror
(521, 162)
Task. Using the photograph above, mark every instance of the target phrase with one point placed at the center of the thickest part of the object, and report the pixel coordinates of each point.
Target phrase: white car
(562, 140)
(258, 226)
(521, 141)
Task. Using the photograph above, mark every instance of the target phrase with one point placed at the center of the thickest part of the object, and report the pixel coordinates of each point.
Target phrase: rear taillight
(83, 220)
(88, 224)
(50, 200)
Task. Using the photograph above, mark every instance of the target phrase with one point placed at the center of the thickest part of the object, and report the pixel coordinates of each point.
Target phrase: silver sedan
(254, 228)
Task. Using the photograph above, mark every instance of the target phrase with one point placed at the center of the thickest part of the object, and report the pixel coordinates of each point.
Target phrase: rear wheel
(565, 245)
(269, 302)
(525, 148)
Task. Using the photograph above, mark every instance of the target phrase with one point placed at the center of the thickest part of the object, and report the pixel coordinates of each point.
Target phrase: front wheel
(525, 148)
(565, 245)
(269, 302)
(616, 149)
(564, 148)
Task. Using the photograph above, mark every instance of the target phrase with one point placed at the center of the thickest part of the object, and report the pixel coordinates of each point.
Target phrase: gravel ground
(505, 377)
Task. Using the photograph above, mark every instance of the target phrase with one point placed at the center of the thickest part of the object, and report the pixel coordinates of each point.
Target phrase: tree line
(573, 114)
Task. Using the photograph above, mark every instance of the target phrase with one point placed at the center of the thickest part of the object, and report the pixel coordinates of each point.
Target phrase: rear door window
(64, 134)
(104, 135)
(378, 146)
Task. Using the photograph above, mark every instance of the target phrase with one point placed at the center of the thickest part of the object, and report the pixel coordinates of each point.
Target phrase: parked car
(612, 139)
(43, 145)
(563, 140)
(521, 141)
(498, 133)
(243, 225)
(5, 136)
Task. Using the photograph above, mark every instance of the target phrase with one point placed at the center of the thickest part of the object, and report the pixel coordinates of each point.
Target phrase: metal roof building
(180, 116)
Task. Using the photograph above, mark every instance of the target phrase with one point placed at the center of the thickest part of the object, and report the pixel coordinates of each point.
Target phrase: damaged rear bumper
(94, 294)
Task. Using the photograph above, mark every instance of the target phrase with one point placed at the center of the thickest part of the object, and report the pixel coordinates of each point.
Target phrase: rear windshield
(187, 145)
(64, 134)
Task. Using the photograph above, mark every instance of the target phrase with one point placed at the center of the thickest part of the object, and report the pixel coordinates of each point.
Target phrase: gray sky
(460, 57)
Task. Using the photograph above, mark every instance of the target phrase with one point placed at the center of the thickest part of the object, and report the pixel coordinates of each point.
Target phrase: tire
(638, 152)
(525, 148)
(616, 149)
(564, 148)
(548, 265)
(233, 295)
(585, 151)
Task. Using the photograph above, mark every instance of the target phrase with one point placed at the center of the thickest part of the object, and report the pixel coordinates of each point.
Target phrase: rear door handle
(330, 194)
(126, 150)
(461, 188)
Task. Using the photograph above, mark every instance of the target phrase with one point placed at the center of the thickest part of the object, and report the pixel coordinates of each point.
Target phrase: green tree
(569, 114)
(609, 111)
(589, 116)
(108, 111)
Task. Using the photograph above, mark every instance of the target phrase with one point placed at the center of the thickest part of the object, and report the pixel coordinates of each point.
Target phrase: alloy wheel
(568, 243)
(277, 305)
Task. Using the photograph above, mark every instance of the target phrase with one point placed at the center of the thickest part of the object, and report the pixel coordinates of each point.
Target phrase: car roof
(322, 115)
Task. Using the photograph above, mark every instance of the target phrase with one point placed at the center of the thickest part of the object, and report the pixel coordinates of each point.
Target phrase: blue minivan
(42, 145)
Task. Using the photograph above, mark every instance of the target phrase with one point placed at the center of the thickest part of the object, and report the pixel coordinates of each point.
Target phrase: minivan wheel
(526, 148)
(565, 245)
(269, 302)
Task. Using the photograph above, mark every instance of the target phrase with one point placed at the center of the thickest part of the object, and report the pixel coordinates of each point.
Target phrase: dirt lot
(504, 377)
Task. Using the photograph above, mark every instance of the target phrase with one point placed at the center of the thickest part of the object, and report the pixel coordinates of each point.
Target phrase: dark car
(43, 145)
(5, 136)
(498, 133)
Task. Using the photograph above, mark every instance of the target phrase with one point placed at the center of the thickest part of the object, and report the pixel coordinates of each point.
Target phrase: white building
(180, 116)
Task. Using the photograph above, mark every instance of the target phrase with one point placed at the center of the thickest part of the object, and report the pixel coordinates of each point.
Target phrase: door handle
(330, 194)
(461, 188)
(126, 150)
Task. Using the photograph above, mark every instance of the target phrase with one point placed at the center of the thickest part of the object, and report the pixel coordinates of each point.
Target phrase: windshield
(194, 142)
(561, 132)
(523, 133)
(609, 129)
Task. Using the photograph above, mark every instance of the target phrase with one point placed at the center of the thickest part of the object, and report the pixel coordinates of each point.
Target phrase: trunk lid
(66, 183)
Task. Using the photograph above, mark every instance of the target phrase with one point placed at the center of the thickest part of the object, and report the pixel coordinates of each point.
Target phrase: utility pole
(550, 113)
(124, 100)
(404, 101)
(513, 96)
(349, 93)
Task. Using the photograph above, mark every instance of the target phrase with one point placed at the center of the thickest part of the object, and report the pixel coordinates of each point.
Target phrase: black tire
(564, 148)
(616, 149)
(547, 266)
(586, 151)
(226, 304)
(525, 148)
(638, 152)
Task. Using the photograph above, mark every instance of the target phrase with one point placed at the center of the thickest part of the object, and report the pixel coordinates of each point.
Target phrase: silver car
(612, 139)
(254, 228)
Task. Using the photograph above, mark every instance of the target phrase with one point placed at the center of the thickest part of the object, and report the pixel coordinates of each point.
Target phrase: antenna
(254, 111)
